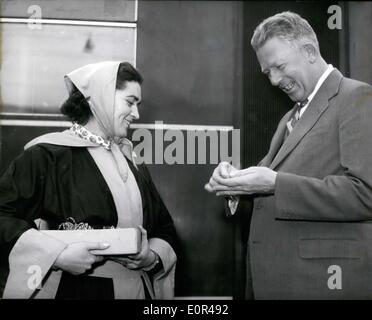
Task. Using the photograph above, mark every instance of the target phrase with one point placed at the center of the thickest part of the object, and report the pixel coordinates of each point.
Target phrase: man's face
(288, 66)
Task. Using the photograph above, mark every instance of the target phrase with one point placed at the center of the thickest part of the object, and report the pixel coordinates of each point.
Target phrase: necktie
(295, 117)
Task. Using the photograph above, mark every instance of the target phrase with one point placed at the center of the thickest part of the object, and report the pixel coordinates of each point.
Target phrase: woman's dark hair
(76, 107)
(126, 72)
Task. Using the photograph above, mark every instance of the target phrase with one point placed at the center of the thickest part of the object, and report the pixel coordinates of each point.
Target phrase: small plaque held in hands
(122, 240)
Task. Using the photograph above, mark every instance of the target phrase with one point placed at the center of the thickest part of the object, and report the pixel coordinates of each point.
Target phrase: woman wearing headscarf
(88, 175)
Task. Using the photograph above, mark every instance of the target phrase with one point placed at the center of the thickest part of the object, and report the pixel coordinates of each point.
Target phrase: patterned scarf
(85, 134)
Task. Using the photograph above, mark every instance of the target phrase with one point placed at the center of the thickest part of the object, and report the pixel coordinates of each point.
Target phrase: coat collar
(317, 106)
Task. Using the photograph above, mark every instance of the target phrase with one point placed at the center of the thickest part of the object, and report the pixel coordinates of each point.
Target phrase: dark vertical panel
(186, 52)
(190, 54)
(359, 46)
(344, 40)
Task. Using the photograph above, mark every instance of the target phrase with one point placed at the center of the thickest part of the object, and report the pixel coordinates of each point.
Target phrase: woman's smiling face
(126, 107)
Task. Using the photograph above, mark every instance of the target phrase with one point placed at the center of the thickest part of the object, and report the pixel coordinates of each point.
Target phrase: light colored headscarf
(97, 83)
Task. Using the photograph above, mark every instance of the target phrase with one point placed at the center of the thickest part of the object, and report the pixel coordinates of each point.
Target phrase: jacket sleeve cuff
(285, 195)
(164, 280)
(29, 262)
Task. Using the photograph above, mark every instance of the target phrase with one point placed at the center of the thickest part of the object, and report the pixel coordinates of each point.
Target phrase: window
(38, 49)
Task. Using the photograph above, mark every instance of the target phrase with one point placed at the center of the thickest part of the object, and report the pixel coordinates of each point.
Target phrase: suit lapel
(311, 115)
(277, 140)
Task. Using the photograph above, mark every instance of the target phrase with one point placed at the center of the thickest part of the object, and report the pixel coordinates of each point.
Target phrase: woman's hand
(142, 259)
(76, 257)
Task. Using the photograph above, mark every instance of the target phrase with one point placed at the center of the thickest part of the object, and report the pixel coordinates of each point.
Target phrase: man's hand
(253, 180)
(221, 173)
(76, 257)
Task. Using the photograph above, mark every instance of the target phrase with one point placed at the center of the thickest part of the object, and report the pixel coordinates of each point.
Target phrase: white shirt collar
(322, 78)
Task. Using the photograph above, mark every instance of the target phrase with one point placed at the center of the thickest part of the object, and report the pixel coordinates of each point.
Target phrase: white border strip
(135, 33)
(135, 48)
(51, 123)
(71, 22)
(34, 123)
(136, 11)
(25, 114)
(186, 127)
(204, 298)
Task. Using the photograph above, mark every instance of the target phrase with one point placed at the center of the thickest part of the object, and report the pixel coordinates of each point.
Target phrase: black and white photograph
(186, 154)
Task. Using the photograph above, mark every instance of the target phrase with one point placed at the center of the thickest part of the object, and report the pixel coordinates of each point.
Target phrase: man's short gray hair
(286, 25)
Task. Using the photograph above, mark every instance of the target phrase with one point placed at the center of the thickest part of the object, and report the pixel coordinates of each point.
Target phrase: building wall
(190, 54)
(360, 39)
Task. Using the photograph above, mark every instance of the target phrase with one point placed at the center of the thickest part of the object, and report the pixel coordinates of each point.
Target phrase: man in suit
(311, 227)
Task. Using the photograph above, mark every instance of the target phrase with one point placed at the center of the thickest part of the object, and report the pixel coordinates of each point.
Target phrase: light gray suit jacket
(321, 212)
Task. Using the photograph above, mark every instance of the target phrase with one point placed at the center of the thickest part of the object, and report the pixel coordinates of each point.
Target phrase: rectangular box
(122, 241)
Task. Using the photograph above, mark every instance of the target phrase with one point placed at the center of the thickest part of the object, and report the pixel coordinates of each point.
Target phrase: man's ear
(310, 52)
